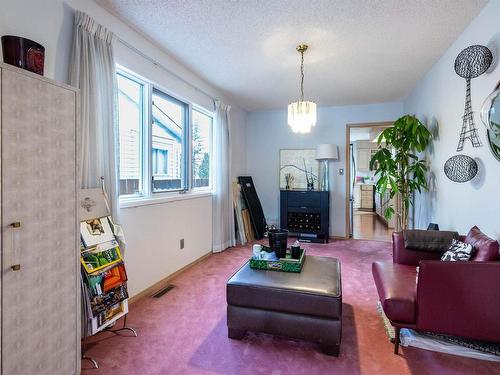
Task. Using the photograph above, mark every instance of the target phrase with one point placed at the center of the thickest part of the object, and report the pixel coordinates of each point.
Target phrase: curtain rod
(156, 63)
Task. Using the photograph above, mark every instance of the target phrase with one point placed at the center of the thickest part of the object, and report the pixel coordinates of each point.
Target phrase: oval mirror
(490, 115)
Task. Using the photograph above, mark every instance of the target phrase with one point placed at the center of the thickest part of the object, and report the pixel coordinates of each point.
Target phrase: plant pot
(278, 240)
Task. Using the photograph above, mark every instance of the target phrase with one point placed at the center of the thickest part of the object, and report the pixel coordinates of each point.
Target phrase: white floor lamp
(325, 153)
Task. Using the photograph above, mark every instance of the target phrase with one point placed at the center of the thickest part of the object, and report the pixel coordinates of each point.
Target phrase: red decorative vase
(23, 53)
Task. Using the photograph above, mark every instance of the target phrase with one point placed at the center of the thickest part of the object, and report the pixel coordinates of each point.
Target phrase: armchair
(453, 298)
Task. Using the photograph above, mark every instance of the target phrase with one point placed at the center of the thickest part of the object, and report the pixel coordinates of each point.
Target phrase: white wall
(438, 99)
(152, 232)
(267, 132)
(47, 22)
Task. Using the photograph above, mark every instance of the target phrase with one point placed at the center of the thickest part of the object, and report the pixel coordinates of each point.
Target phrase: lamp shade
(326, 151)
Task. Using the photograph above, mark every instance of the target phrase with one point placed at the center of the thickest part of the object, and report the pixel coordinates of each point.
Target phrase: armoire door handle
(14, 225)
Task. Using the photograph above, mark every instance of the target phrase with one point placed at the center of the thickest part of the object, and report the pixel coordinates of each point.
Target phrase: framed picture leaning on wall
(296, 162)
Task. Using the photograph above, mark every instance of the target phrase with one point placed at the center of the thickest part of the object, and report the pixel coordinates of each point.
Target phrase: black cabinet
(306, 213)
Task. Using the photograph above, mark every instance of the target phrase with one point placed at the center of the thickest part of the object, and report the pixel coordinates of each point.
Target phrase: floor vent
(163, 291)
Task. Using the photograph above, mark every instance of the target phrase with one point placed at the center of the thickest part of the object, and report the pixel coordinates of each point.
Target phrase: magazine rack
(103, 272)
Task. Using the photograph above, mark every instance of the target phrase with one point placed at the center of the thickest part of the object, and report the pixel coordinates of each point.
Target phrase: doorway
(364, 205)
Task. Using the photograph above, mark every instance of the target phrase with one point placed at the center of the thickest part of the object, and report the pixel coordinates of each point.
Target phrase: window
(165, 143)
(130, 120)
(168, 136)
(201, 149)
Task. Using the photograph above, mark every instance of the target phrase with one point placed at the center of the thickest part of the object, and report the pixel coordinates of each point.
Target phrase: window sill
(164, 198)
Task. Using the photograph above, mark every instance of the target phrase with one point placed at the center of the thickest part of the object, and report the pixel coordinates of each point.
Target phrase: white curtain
(92, 70)
(223, 235)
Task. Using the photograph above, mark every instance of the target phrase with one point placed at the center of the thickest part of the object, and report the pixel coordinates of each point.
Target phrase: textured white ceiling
(361, 51)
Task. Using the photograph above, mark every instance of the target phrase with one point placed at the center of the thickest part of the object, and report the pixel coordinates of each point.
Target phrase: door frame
(349, 126)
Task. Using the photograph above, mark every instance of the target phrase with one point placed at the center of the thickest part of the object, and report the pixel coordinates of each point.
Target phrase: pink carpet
(184, 332)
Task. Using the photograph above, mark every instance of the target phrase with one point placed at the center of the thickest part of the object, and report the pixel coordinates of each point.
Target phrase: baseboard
(338, 238)
(165, 281)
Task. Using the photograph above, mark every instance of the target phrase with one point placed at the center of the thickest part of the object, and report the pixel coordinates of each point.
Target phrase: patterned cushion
(458, 251)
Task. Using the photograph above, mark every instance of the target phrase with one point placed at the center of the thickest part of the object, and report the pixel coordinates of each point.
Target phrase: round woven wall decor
(460, 168)
(473, 61)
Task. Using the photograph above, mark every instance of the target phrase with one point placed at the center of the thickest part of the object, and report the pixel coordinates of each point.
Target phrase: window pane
(167, 160)
(202, 142)
(130, 96)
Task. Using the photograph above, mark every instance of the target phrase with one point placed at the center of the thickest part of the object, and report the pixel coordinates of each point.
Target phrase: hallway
(367, 226)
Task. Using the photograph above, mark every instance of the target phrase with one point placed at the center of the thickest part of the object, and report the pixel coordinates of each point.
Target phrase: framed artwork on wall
(297, 163)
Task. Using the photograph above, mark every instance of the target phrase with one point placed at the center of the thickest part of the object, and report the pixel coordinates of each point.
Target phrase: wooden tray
(283, 264)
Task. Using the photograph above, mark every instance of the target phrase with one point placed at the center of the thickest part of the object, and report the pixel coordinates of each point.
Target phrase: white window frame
(186, 148)
(149, 196)
(143, 131)
(211, 149)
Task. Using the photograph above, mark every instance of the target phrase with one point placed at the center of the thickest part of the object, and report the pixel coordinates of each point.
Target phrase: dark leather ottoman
(306, 305)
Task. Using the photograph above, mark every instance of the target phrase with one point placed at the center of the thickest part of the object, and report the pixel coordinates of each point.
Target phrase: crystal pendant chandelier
(302, 113)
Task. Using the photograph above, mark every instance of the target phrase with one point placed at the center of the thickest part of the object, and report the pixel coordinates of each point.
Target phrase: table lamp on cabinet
(324, 153)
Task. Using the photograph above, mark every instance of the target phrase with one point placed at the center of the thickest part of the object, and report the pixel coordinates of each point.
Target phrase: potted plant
(400, 169)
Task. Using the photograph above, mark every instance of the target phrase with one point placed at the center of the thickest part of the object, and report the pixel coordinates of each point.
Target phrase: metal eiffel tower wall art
(469, 130)
(471, 63)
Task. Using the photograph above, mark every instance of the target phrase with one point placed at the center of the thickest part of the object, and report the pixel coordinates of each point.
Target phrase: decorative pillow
(458, 251)
(487, 249)
(428, 240)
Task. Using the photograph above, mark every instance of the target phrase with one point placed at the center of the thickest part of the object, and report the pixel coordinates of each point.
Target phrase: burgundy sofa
(453, 298)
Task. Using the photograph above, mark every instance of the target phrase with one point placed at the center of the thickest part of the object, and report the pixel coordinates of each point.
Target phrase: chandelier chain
(302, 76)
(302, 114)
